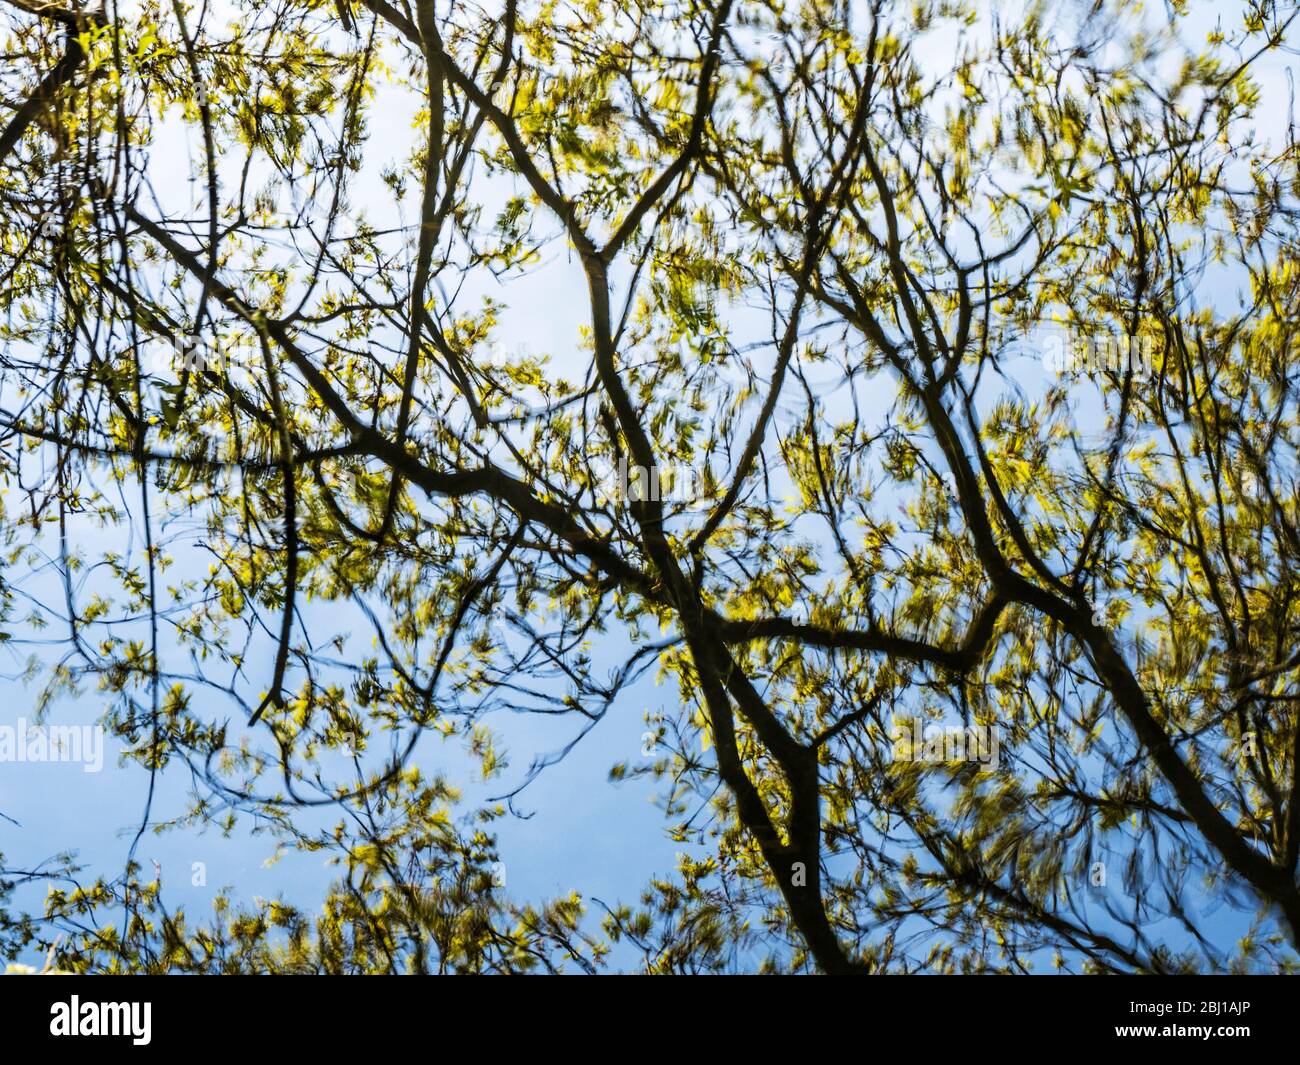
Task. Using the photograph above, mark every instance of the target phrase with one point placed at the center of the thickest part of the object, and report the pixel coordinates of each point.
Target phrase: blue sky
(584, 832)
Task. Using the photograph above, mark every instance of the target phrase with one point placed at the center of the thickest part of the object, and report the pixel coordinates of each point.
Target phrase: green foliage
(804, 244)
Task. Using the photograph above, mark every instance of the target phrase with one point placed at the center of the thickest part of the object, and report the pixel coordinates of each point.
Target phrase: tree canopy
(285, 495)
